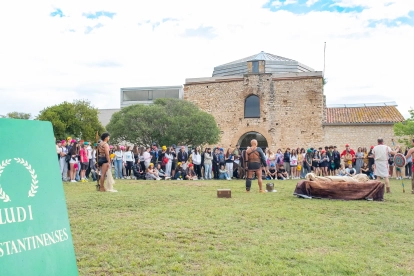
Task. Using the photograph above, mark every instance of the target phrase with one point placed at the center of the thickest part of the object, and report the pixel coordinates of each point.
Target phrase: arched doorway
(245, 139)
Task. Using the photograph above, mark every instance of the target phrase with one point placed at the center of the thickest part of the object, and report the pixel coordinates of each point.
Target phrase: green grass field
(182, 228)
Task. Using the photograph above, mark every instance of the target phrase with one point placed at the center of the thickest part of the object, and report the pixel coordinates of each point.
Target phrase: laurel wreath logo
(3, 165)
(33, 186)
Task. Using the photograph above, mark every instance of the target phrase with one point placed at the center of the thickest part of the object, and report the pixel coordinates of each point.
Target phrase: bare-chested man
(255, 159)
(411, 153)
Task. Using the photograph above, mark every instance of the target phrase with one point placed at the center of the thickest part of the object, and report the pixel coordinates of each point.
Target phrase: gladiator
(254, 159)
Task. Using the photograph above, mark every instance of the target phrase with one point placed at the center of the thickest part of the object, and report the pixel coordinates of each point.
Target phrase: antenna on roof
(324, 50)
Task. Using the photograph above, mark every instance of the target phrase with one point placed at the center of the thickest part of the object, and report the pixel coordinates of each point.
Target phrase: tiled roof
(363, 115)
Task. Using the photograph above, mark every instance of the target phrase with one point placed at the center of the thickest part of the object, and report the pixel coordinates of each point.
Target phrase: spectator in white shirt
(197, 162)
(147, 157)
(90, 158)
(128, 160)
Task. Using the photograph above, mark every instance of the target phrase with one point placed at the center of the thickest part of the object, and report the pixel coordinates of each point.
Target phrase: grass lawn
(182, 228)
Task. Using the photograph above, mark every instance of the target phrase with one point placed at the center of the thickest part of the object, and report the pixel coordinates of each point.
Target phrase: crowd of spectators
(77, 161)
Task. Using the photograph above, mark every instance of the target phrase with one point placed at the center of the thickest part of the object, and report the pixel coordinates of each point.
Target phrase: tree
(166, 122)
(17, 115)
(77, 119)
(405, 130)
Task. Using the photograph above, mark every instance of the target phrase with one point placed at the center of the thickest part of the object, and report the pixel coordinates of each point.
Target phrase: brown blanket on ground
(371, 190)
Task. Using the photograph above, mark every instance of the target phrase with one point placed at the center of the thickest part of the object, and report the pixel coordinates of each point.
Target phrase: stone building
(281, 103)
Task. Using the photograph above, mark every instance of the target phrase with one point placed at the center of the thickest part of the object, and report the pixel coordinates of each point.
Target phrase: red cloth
(351, 151)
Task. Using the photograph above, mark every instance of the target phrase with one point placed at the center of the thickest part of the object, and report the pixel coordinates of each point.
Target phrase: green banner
(35, 236)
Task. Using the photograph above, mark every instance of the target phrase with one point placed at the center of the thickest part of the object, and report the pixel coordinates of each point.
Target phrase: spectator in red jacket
(350, 151)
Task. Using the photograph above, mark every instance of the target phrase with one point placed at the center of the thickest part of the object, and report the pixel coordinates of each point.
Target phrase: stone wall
(292, 112)
(358, 135)
(291, 107)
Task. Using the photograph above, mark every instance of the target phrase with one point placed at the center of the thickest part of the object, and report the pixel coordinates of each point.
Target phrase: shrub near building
(167, 121)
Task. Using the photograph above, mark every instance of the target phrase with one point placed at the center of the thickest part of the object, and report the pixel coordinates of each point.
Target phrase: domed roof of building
(273, 64)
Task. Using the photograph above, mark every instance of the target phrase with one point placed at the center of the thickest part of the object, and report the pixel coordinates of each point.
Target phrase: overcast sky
(52, 51)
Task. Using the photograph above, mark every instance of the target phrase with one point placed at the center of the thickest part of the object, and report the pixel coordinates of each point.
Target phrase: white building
(147, 95)
(141, 95)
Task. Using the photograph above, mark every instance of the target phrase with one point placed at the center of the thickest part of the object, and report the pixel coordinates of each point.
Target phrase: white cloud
(290, 2)
(47, 60)
(311, 2)
(380, 9)
(365, 3)
(279, 3)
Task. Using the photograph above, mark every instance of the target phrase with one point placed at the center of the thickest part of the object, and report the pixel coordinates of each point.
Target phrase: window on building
(255, 67)
(166, 93)
(252, 107)
(139, 95)
(150, 95)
